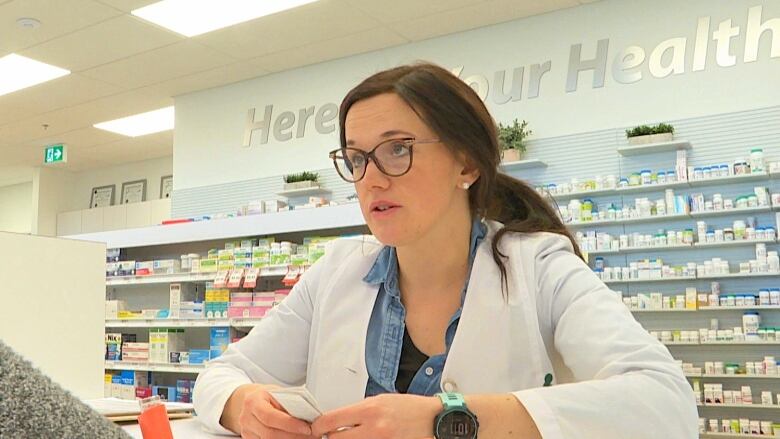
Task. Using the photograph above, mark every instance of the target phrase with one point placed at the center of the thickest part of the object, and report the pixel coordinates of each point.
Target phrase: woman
(475, 292)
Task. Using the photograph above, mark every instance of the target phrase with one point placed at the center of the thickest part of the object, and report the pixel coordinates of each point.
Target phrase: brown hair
(456, 113)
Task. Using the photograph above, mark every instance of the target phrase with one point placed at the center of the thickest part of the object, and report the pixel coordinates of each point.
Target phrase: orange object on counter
(153, 420)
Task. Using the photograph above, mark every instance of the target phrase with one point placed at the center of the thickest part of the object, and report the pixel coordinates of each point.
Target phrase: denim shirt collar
(385, 268)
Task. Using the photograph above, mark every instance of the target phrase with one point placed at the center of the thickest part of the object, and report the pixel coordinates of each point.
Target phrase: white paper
(298, 402)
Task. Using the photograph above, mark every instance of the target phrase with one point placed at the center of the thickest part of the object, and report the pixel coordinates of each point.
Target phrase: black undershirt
(411, 361)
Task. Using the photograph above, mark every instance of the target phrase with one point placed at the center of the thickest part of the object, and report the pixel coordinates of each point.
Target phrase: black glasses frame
(409, 142)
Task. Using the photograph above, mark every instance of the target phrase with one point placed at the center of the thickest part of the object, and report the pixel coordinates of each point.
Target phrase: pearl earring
(465, 185)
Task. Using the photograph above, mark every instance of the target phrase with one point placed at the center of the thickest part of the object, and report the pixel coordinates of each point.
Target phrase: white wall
(210, 124)
(56, 320)
(150, 170)
(16, 208)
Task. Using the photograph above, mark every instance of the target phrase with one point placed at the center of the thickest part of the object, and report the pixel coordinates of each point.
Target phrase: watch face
(456, 425)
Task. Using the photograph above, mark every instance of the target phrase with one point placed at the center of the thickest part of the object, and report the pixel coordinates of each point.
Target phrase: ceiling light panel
(141, 124)
(195, 17)
(18, 72)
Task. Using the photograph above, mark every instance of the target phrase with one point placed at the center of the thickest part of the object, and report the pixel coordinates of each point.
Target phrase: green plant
(512, 136)
(303, 176)
(644, 130)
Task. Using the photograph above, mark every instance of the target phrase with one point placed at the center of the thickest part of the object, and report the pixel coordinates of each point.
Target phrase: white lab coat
(612, 380)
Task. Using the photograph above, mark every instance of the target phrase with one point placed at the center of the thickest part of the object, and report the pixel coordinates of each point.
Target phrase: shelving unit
(732, 435)
(685, 319)
(185, 277)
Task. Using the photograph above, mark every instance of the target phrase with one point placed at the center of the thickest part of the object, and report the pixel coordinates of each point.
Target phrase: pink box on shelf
(241, 297)
(258, 311)
(239, 312)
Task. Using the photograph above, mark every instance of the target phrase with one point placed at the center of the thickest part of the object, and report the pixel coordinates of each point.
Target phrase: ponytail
(521, 209)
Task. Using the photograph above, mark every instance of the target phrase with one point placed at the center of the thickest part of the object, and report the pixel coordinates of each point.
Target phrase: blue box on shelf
(199, 356)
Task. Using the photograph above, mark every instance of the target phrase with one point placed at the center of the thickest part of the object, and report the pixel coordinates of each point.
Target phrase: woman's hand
(263, 418)
(386, 416)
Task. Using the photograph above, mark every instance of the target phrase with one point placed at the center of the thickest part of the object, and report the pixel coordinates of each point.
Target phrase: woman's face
(402, 210)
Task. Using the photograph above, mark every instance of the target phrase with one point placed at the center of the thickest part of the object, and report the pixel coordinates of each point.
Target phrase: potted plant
(650, 134)
(301, 180)
(511, 140)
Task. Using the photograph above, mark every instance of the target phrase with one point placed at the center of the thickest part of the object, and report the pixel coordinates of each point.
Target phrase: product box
(165, 393)
(184, 390)
(128, 391)
(116, 386)
(179, 293)
(225, 265)
(115, 254)
(112, 269)
(219, 338)
(208, 265)
(144, 268)
(239, 312)
(113, 347)
(113, 307)
(248, 243)
(107, 385)
(225, 255)
(690, 298)
(143, 392)
(166, 266)
(126, 268)
(242, 253)
(198, 356)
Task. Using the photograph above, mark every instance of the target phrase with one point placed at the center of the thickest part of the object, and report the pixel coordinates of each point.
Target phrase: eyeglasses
(392, 157)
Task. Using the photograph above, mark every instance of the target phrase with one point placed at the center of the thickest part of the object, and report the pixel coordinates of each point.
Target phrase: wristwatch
(456, 421)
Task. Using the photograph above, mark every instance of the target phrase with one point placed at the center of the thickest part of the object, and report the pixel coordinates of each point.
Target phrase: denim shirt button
(429, 371)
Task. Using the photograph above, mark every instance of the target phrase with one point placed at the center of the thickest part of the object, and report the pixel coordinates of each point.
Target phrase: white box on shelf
(113, 307)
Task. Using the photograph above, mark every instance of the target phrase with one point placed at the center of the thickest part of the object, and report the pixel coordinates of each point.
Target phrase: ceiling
(122, 65)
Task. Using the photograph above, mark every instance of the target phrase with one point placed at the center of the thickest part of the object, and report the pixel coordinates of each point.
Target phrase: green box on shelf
(300, 260)
(280, 259)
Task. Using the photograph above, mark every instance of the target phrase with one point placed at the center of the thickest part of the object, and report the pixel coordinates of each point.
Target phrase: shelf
(743, 242)
(740, 308)
(662, 310)
(735, 211)
(647, 219)
(723, 343)
(649, 148)
(733, 435)
(584, 194)
(663, 186)
(182, 323)
(523, 164)
(758, 176)
(651, 187)
(741, 406)
(735, 376)
(278, 270)
(643, 249)
(160, 279)
(154, 367)
(663, 279)
(321, 218)
(738, 275)
(734, 243)
(166, 323)
(303, 192)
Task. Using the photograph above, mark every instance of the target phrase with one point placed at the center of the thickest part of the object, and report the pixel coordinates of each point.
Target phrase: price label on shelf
(250, 278)
(235, 278)
(221, 280)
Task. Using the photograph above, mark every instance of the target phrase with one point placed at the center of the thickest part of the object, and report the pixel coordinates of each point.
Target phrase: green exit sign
(55, 154)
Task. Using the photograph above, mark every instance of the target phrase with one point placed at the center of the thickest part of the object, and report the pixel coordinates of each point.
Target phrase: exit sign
(55, 154)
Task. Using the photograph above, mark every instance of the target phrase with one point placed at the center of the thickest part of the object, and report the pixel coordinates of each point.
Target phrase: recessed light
(18, 72)
(141, 124)
(28, 23)
(195, 17)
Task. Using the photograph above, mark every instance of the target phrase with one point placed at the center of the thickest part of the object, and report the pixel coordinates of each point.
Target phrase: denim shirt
(388, 322)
